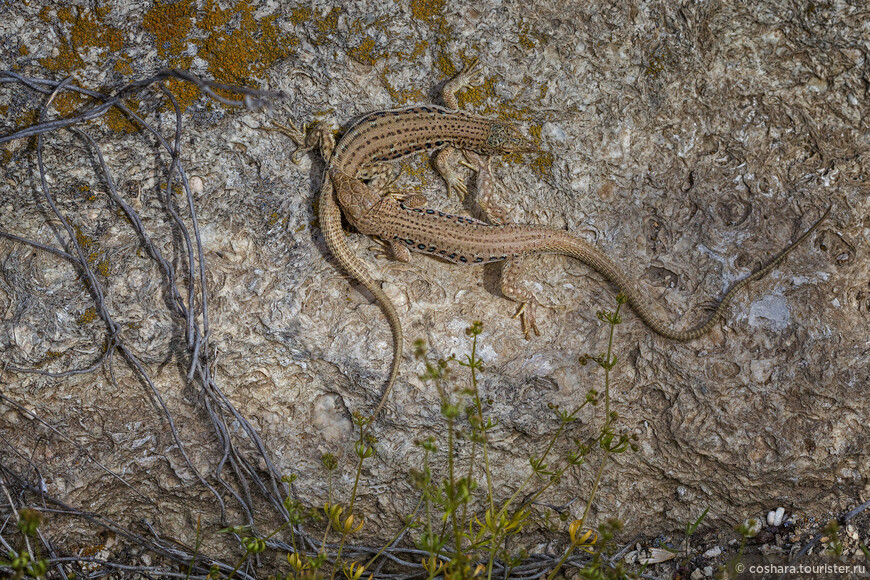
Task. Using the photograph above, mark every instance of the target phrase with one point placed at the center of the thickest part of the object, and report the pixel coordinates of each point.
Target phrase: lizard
(378, 138)
(461, 240)
(365, 151)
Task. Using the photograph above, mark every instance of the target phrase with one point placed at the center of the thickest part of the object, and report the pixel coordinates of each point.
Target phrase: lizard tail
(330, 223)
(592, 256)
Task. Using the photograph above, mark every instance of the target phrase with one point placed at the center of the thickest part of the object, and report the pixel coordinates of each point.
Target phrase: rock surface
(691, 143)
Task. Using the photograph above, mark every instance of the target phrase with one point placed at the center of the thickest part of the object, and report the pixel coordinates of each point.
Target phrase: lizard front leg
(450, 177)
(317, 136)
(484, 183)
(468, 77)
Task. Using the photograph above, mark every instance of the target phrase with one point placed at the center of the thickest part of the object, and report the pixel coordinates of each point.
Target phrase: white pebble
(196, 185)
(713, 552)
(777, 518)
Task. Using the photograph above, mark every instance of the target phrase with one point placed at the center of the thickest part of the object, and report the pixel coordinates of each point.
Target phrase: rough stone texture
(690, 142)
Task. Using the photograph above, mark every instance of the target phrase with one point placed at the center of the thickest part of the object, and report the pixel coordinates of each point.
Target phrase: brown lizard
(385, 136)
(364, 153)
(467, 241)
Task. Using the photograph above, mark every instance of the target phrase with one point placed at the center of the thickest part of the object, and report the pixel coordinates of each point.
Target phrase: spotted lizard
(363, 154)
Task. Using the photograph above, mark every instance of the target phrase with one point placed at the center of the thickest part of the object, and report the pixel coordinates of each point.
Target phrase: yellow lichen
(122, 65)
(66, 59)
(68, 102)
(478, 95)
(23, 51)
(403, 96)
(237, 47)
(119, 122)
(445, 66)
(656, 65)
(365, 52)
(328, 24)
(87, 316)
(86, 242)
(419, 49)
(299, 15)
(88, 31)
(95, 256)
(542, 166)
(170, 23)
(86, 191)
(85, 29)
(428, 11)
(102, 267)
(185, 93)
(523, 37)
(275, 218)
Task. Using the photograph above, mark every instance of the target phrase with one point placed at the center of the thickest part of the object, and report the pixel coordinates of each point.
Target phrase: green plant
(22, 561)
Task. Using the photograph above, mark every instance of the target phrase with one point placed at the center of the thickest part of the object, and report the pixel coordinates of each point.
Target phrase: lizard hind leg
(400, 251)
(513, 288)
(380, 176)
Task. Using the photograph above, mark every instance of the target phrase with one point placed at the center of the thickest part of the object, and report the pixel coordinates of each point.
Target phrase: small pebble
(697, 574)
(713, 552)
(708, 571)
(196, 185)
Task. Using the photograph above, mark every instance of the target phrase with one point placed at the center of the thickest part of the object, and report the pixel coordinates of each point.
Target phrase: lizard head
(353, 195)
(505, 138)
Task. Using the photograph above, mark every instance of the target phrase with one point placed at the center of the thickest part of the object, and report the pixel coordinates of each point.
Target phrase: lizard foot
(469, 76)
(306, 139)
(527, 317)
(453, 181)
(410, 200)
